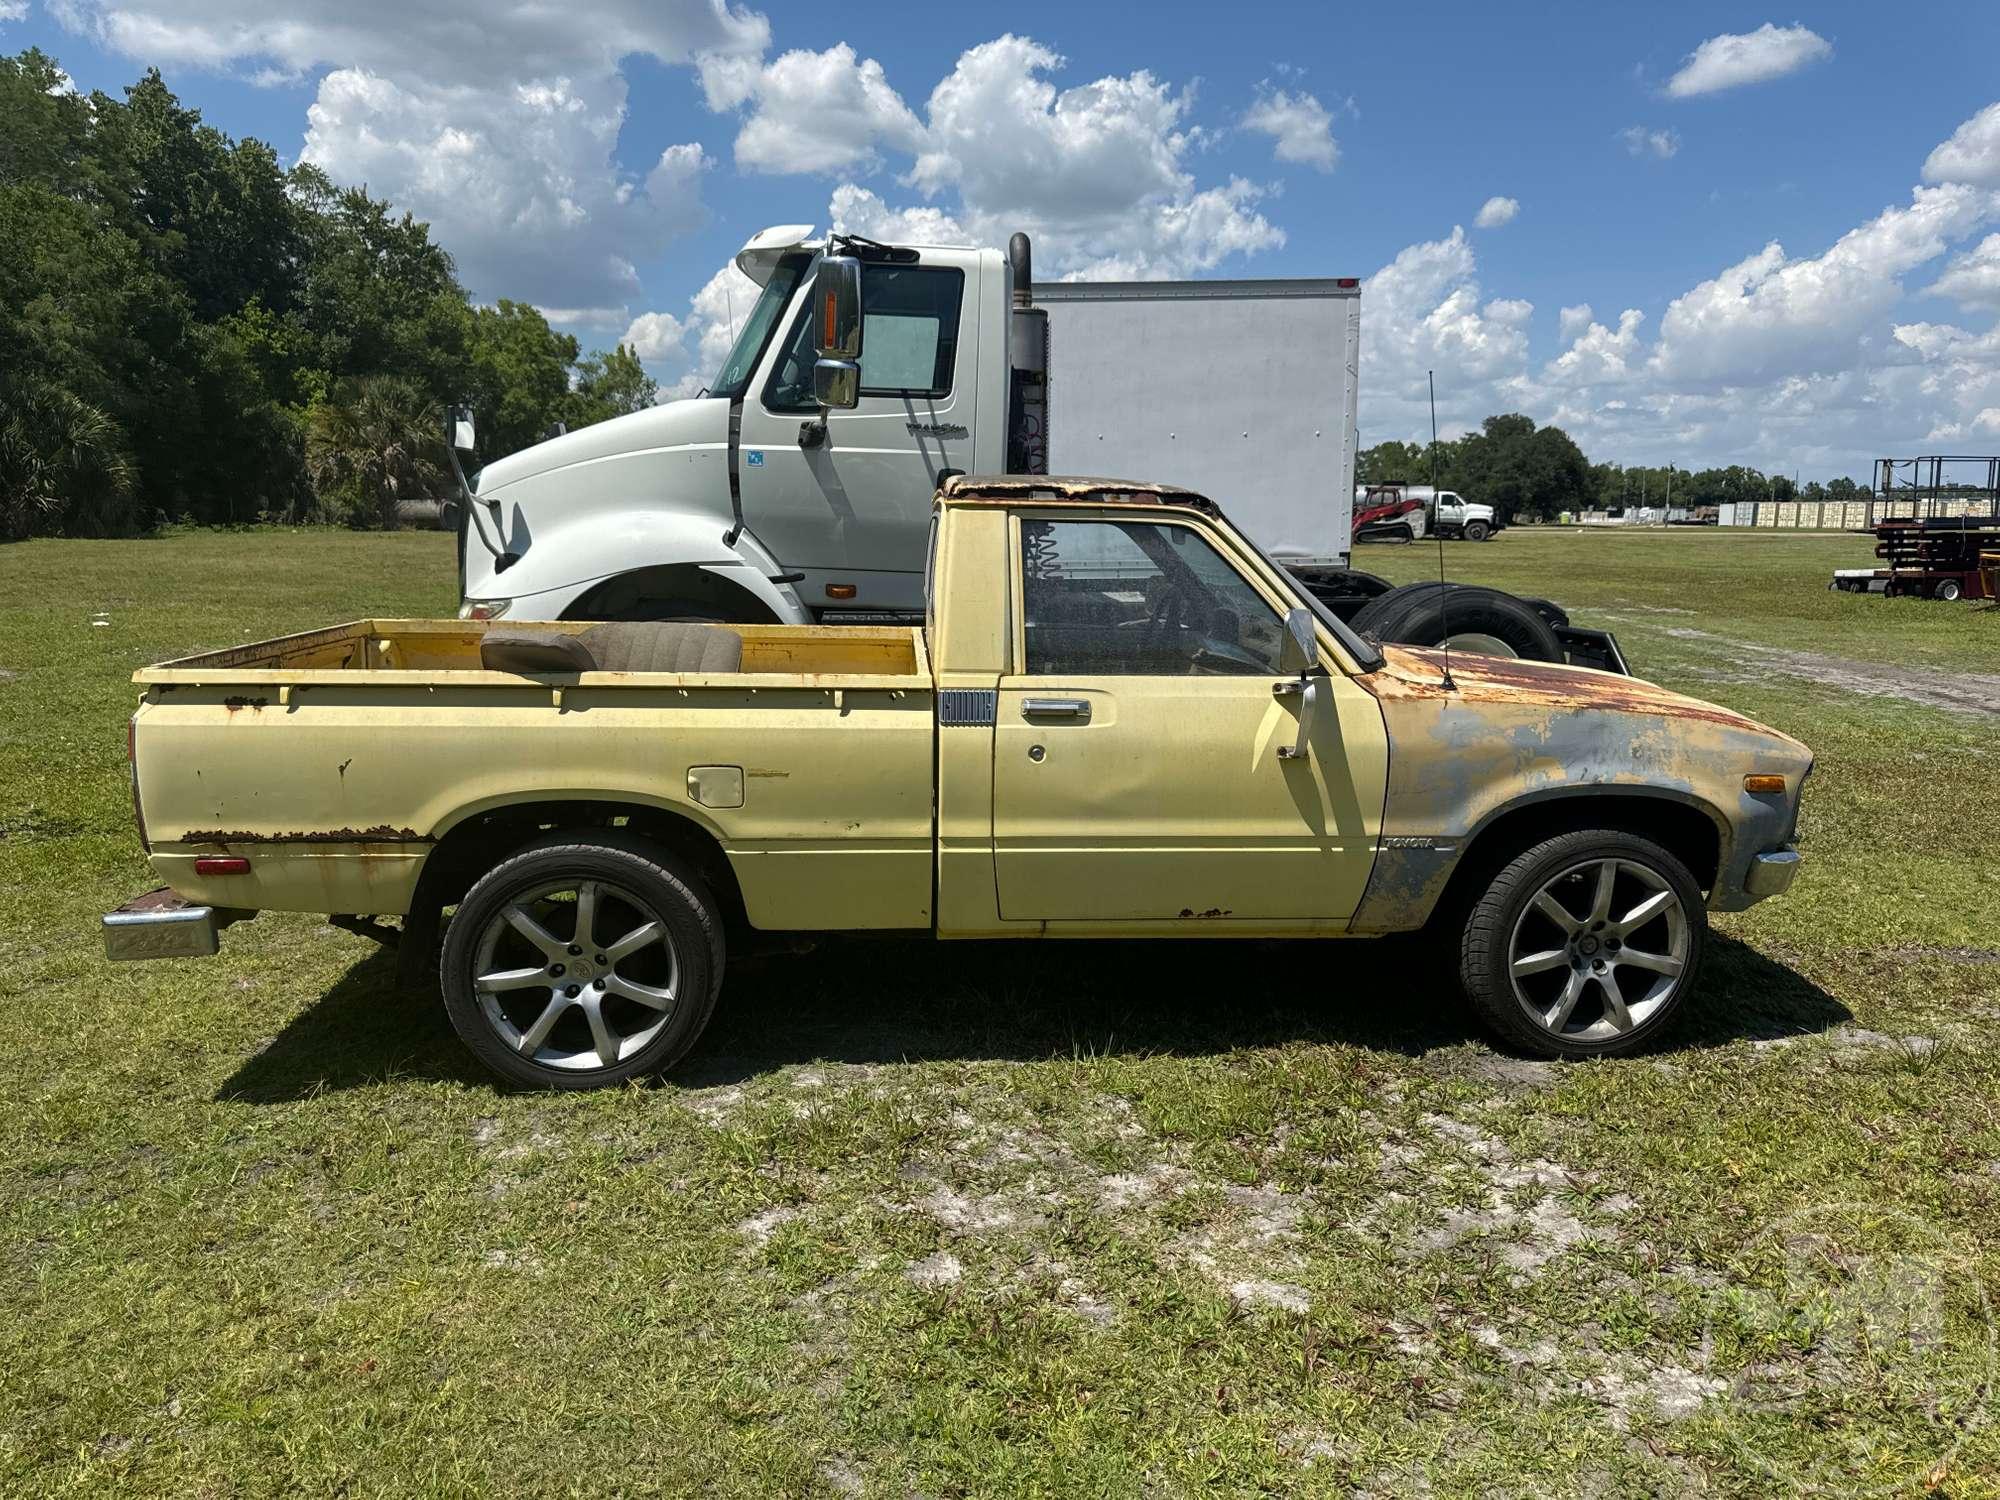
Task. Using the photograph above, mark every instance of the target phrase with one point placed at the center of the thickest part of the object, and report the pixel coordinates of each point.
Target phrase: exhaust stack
(1028, 393)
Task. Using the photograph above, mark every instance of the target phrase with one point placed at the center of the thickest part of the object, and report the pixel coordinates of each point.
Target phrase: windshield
(763, 317)
(1366, 657)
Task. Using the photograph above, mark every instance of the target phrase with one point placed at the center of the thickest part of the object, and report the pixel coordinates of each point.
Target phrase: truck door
(855, 507)
(1136, 773)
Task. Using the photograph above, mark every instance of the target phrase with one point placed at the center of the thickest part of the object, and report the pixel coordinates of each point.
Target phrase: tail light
(132, 765)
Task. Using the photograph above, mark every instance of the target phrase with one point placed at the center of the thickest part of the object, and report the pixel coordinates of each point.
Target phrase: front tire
(1584, 945)
(1477, 531)
(582, 962)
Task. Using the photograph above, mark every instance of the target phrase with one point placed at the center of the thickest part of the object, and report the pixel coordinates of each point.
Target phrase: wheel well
(471, 848)
(626, 596)
(1686, 832)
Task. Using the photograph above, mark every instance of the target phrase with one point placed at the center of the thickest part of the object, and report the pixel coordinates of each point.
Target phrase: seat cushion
(664, 646)
(534, 653)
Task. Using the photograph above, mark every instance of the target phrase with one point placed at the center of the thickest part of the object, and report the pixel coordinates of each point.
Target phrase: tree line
(190, 331)
(1537, 473)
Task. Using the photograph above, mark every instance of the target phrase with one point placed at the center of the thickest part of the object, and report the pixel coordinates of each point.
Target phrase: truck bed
(422, 650)
(333, 762)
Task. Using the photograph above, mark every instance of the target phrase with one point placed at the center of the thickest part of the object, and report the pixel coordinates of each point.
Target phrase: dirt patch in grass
(1953, 692)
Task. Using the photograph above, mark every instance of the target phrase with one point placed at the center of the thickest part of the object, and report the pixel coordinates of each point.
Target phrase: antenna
(1444, 589)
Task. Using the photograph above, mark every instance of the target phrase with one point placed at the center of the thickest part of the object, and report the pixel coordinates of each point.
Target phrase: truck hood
(696, 422)
(1416, 672)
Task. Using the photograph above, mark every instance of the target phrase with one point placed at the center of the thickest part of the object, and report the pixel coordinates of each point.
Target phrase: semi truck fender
(565, 565)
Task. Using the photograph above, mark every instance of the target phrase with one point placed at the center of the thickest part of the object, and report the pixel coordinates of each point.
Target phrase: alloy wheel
(576, 975)
(1599, 950)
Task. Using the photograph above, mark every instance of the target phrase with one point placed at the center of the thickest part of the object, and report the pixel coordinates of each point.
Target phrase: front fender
(1509, 735)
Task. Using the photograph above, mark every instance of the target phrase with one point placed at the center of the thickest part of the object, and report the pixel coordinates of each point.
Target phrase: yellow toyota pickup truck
(1120, 719)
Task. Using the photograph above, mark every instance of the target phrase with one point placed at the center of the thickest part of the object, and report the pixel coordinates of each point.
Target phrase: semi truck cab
(750, 502)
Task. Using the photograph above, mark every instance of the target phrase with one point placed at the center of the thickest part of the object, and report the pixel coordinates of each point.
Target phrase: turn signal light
(220, 864)
(1763, 783)
(840, 591)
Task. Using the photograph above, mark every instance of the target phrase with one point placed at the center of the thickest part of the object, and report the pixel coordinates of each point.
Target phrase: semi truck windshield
(736, 370)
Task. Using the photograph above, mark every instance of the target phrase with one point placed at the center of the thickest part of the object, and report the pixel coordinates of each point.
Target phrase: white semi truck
(797, 489)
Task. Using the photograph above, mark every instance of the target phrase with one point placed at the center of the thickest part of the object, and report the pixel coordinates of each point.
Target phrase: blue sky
(604, 159)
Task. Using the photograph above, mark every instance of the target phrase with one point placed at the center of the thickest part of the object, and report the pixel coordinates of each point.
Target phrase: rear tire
(581, 962)
(1561, 959)
(1950, 590)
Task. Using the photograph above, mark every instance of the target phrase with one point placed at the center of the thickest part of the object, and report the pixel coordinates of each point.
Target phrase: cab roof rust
(1014, 488)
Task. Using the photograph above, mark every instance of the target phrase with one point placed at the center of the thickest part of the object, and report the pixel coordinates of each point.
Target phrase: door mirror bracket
(1298, 651)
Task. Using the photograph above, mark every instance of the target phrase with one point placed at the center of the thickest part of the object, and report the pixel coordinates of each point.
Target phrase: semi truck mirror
(463, 438)
(837, 383)
(1298, 651)
(836, 315)
(837, 308)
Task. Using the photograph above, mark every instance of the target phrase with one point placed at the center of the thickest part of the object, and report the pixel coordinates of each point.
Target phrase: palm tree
(63, 467)
(379, 440)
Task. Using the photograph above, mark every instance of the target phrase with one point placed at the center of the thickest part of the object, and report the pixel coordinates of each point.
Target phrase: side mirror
(1298, 651)
(836, 315)
(458, 424)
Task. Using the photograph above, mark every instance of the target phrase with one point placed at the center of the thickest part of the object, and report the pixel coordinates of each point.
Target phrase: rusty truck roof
(1072, 487)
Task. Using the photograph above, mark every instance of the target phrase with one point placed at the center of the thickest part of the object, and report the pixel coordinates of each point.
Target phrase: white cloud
(1423, 313)
(1972, 278)
(654, 336)
(1597, 355)
(1769, 314)
(13, 10)
(1972, 154)
(1097, 173)
(1777, 361)
(856, 210)
(1731, 60)
(1658, 144)
(1004, 137)
(811, 111)
(500, 132)
(1496, 211)
(1298, 123)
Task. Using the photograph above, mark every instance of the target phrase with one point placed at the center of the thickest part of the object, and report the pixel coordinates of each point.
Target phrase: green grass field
(989, 1219)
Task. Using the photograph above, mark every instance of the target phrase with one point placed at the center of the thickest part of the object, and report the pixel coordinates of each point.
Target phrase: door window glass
(909, 338)
(1135, 598)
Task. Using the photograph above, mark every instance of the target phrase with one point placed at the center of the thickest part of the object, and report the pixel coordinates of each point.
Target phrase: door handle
(1056, 708)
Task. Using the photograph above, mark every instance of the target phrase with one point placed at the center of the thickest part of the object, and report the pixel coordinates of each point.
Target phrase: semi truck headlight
(483, 609)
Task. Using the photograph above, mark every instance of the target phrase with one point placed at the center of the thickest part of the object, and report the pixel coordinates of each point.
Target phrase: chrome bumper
(160, 924)
(1771, 874)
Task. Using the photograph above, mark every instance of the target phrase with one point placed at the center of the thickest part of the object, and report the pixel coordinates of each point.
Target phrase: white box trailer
(1243, 390)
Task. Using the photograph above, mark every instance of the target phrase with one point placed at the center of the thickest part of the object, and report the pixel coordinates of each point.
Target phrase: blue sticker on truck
(754, 458)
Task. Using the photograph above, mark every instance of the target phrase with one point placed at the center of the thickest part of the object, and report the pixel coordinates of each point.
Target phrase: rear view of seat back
(664, 646)
(635, 646)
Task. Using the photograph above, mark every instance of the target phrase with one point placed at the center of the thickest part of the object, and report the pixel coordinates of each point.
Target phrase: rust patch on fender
(235, 704)
(1410, 672)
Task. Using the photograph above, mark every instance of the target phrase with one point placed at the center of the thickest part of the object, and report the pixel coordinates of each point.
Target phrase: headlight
(483, 609)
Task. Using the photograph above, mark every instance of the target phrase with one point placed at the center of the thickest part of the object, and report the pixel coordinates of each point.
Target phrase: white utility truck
(797, 489)
(1407, 512)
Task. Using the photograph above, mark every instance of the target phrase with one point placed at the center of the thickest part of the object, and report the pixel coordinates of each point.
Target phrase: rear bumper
(161, 924)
